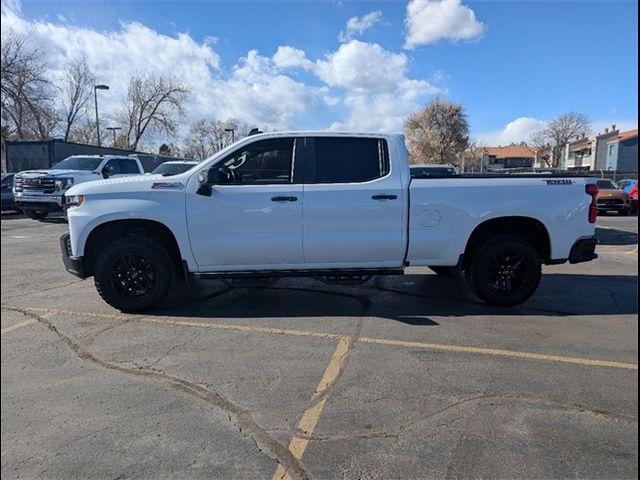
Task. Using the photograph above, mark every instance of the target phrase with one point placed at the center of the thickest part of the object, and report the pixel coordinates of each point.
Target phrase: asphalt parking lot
(404, 377)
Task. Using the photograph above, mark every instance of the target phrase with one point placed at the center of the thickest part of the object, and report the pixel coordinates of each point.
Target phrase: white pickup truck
(39, 192)
(340, 207)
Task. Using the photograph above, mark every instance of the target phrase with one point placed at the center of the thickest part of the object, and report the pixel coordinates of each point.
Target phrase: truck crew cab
(341, 207)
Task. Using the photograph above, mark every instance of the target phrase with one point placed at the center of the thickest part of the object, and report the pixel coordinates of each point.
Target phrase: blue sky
(514, 65)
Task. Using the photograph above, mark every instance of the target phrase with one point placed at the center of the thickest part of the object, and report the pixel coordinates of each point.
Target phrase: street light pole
(233, 134)
(95, 95)
(113, 129)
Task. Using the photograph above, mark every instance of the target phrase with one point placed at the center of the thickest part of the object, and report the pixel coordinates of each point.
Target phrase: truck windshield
(79, 163)
(606, 185)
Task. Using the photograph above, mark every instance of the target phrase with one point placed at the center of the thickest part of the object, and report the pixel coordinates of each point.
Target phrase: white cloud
(428, 21)
(365, 84)
(359, 25)
(364, 67)
(254, 91)
(519, 130)
(291, 57)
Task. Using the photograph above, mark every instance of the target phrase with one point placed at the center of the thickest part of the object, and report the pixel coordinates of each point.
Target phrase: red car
(633, 193)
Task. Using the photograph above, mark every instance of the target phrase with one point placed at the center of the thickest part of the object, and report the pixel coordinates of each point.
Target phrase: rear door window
(128, 166)
(349, 160)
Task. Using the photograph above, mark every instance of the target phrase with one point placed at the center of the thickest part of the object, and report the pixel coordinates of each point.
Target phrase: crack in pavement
(241, 418)
(42, 291)
(395, 431)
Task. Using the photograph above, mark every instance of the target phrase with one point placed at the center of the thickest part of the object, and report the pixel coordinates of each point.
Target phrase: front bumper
(583, 250)
(50, 203)
(73, 265)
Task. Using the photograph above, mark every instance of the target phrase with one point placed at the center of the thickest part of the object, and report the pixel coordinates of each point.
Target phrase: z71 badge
(559, 182)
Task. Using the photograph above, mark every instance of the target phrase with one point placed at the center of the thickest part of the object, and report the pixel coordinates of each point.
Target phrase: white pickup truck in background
(39, 192)
(340, 207)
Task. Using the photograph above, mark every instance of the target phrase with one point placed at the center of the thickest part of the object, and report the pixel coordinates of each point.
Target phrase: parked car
(39, 192)
(611, 197)
(8, 201)
(431, 170)
(633, 194)
(168, 169)
(341, 207)
(626, 184)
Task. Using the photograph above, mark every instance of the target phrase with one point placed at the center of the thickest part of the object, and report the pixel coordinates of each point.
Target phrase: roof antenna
(254, 131)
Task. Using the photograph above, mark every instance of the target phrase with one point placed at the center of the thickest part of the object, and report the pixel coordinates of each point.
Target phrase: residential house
(578, 154)
(509, 157)
(622, 152)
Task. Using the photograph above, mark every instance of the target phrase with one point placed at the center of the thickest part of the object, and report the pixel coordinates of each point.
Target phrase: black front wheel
(504, 270)
(35, 214)
(624, 212)
(134, 273)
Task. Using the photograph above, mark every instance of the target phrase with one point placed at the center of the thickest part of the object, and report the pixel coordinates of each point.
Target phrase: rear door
(353, 204)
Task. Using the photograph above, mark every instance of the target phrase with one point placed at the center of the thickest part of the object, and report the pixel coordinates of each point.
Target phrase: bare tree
(558, 133)
(26, 93)
(438, 133)
(473, 155)
(207, 137)
(85, 132)
(76, 89)
(153, 105)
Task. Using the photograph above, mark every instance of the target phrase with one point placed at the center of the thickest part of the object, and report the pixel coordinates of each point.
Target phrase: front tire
(134, 273)
(504, 270)
(35, 214)
(624, 212)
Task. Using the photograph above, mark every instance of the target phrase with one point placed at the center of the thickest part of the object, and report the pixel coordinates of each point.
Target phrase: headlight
(63, 183)
(73, 200)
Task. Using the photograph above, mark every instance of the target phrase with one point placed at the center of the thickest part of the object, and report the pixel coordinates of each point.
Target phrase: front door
(253, 219)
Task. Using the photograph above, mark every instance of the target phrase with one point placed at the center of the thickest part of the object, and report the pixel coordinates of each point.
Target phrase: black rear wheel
(134, 273)
(504, 270)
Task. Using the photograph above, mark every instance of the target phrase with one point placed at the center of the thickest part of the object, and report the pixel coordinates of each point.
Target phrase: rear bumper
(583, 250)
(73, 265)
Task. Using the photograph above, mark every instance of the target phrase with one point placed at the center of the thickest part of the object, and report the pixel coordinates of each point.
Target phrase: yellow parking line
(379, 341)
(310, 417)
(16, 326)
(501, 353)
(241, 328)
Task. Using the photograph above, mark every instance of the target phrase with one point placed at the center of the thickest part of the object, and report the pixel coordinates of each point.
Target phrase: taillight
(592, 189)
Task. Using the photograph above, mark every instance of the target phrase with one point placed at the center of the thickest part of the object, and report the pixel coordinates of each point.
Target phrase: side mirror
(107, 171)
(207, 178)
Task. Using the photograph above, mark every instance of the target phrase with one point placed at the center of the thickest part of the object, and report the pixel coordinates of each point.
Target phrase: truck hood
(58, 173)
(138, 183)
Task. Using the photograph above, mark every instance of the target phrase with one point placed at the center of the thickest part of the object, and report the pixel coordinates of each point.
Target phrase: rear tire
(35, 214)
(504, 270)
(134, 273)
